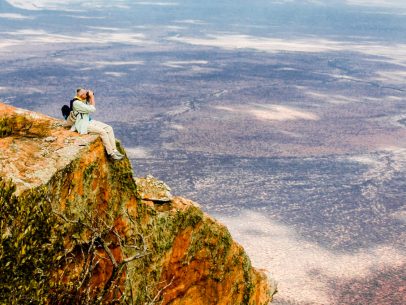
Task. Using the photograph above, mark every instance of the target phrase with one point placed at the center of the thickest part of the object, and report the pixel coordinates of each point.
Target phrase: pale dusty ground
(302, 268)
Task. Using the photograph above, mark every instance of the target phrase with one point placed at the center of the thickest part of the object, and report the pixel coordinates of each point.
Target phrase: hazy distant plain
(284, 119)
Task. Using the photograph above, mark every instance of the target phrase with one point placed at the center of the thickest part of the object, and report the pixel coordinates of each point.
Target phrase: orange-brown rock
(118, 245)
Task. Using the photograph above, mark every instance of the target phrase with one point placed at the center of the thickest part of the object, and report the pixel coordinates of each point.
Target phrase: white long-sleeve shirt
(82, 110)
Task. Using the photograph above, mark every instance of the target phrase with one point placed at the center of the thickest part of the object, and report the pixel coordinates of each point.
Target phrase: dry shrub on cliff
(97, 244)
(27, 252)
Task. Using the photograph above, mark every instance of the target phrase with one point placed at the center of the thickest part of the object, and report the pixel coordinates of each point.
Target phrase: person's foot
(118, 153)
(115, 156)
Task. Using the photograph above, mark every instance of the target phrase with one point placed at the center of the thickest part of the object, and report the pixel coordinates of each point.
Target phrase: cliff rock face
(76, 229)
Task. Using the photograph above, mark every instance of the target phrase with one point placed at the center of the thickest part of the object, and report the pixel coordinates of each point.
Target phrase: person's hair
(78, 89)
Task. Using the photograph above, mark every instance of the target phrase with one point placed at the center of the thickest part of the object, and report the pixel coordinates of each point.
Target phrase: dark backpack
(66, 110)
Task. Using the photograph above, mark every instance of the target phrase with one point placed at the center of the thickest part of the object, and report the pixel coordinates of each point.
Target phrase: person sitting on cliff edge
(84, 103)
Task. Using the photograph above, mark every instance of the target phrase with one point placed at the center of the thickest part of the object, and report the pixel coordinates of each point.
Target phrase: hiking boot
(118, 153)
(116, 157)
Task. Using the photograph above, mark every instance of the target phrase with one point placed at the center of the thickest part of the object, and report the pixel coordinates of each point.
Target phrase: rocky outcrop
(76, 228)
(151, 189)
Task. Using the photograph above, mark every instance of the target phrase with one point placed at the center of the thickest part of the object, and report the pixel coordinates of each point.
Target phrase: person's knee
(102, 133)
(109, 128)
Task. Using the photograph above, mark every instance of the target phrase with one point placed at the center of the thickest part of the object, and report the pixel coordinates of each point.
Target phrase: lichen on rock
(91, 233)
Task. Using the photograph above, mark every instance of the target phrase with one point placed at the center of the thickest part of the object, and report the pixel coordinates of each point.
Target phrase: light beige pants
(106, 133)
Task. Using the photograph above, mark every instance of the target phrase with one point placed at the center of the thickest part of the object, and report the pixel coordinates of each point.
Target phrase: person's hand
(90, 95)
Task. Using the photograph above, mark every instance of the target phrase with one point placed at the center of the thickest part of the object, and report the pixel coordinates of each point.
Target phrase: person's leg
(112, 138)
(98, 128)
(110, 133)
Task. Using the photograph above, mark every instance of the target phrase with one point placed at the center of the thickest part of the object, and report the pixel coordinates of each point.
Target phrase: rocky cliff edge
(77, 228)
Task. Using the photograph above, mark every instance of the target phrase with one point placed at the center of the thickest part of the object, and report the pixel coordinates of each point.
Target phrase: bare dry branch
(157, 296)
